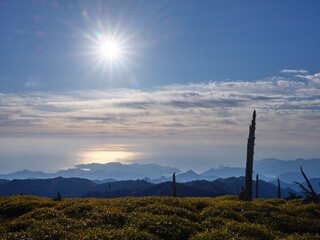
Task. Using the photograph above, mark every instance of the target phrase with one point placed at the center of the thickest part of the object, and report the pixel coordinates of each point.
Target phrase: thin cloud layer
(315, 78)
(294, 71)
(199, 110)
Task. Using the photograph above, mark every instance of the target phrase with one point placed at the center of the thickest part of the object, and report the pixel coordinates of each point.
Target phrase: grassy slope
(29, 217)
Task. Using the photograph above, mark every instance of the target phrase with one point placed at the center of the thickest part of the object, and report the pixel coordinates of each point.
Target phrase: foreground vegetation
(29, 217)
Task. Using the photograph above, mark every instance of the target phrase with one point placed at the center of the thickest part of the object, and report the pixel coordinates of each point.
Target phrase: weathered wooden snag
(58, 197)
(257, 186)
(249, 165)
(310, 194)
(279, 189)
(174, 190)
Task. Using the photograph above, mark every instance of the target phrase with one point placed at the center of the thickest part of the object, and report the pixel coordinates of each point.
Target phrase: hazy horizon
(167, 82)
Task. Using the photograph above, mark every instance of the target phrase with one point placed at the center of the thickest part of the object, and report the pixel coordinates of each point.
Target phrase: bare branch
(312, 192)
(305, 191)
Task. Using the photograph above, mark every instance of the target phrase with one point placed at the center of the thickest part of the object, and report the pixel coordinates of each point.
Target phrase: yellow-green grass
(30, 217)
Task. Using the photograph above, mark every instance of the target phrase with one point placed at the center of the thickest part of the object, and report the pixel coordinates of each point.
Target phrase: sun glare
(105, 154)
(110, 50)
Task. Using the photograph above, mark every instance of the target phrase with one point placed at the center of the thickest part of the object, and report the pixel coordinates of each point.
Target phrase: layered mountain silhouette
(78, 187)
(273, 167)
(95, 171)
(268, 170)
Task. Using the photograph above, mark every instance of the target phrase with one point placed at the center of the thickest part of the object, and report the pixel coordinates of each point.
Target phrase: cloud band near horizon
(188, 126)
(289, 105)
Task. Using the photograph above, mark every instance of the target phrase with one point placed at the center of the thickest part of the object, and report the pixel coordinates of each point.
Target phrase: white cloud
(315, 78)
(175, 123)
(203, 109)
(294, 71)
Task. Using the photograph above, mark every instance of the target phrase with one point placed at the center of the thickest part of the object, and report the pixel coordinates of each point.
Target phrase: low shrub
(28, 217)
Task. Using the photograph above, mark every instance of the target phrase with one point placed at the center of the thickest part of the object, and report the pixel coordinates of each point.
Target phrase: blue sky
(181, 93)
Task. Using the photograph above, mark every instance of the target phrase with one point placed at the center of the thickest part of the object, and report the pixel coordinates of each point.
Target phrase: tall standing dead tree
(257, 186)
(279, 189)
(109, 190)
(174, 190)
(249, 165)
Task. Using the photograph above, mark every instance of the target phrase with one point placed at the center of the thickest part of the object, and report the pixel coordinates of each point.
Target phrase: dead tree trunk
(174, 190)
(279, 189)
(58, 197)
(109, 190)
(249, 165)
(257, 186)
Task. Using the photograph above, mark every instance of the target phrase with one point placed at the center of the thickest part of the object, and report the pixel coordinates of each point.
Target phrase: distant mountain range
(78, 187)
(275, 168)
(95, 171)
(268, 170)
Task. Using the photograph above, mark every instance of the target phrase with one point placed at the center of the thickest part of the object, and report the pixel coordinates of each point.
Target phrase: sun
(110, 50)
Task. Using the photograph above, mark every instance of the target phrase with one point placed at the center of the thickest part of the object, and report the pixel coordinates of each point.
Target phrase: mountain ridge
(268, 170)
(79, 187)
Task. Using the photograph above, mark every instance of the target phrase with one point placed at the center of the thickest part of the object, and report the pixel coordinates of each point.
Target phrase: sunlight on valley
(106, 153)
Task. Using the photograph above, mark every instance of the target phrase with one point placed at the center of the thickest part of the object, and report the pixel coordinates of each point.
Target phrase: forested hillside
(78, 187)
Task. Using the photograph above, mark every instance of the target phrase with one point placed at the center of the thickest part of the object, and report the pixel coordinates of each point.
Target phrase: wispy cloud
(32, 82)
(205, 109)
(315, 78)
(294, 71)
